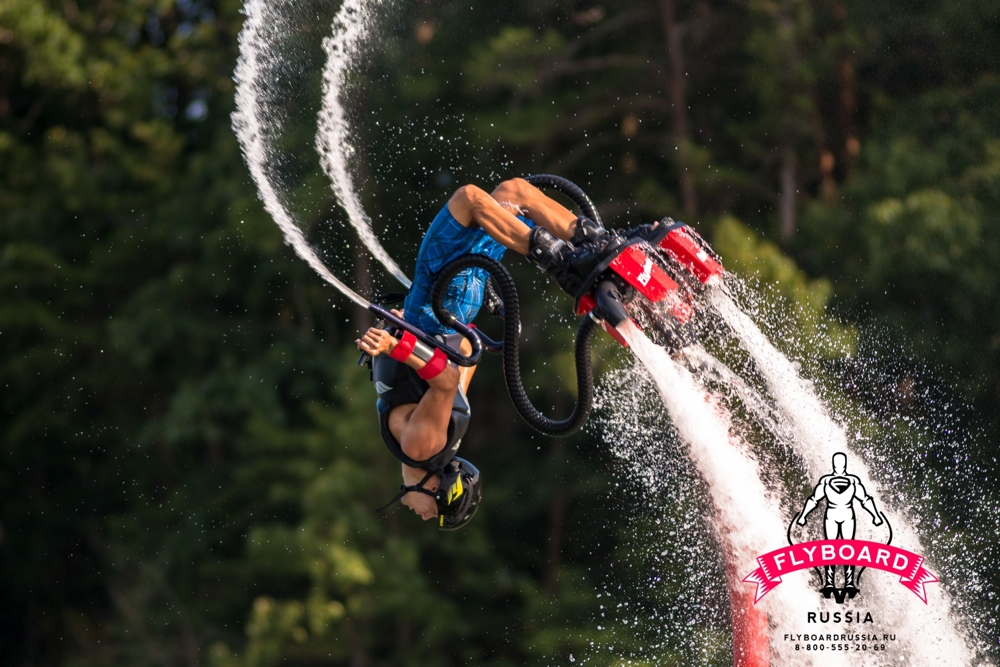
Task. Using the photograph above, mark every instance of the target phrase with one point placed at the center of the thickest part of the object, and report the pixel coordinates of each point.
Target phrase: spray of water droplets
(351, 28)
(743, 514)
(254, 127)
(816, 437)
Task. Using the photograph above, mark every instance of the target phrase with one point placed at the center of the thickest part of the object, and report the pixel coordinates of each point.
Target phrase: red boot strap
(404, 348)
(435, 366)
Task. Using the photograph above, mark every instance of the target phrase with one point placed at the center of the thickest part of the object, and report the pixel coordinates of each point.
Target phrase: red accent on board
(642, 273)
(615, 334)
(691, 255)
(751, 638)
(682, 311)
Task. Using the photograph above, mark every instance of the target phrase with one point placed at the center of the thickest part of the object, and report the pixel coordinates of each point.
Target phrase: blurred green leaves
(512, 61)
(928, 231)
(915, 237)
(53, 50)
(190, 458)
(816, 334)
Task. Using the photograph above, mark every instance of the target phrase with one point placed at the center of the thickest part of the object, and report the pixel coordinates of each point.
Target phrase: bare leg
(472, 206)
(545, 211)
(421, 428)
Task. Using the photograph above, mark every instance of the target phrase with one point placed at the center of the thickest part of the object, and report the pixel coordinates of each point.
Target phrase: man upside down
(422, 405)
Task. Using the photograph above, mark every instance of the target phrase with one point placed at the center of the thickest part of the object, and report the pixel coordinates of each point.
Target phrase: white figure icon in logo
(840, 490)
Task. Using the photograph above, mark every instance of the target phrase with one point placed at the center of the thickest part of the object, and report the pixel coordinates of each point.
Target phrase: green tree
(189, 461)
(175, 393)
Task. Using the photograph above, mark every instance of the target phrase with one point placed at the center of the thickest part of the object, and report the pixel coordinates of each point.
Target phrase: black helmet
(457, 495)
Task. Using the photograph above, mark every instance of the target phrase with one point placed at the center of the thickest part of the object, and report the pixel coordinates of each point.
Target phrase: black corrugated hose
(571, 190)
(511, 333)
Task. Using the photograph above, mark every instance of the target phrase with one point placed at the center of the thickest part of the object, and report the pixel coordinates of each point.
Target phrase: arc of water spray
(252, 132)
(333, 135)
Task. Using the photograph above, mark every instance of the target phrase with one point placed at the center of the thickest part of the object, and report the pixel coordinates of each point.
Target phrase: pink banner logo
(820, 553)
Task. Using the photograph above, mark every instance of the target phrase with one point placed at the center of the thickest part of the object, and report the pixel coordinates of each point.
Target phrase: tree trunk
(847, 112)
(557, 527)
(678, 100)
(301, 301)
(847, 103)
(788, 194)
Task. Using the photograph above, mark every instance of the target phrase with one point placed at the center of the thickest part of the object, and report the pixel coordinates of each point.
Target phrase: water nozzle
(609, 302)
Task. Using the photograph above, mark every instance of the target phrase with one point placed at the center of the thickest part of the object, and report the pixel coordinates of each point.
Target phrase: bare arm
(379, 341)
(422, 431)
(421, 428)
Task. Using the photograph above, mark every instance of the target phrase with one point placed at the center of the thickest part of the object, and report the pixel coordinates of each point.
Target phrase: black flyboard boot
(849, 586)
(652, 233)
(828, 582)
(567, 263)
(587, 231)
(546, 251)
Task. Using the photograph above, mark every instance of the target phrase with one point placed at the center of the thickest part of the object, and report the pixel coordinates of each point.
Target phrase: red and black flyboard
(657, 285)
(654, 274)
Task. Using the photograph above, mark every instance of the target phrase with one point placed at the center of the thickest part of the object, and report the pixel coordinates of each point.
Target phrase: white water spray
(703, 364)
(747, 518)
(259, 31)
(928, 632)
(351, 27)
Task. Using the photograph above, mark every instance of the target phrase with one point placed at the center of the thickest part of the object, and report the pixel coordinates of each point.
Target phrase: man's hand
(801, 521)
(877, 519)
(376, 342)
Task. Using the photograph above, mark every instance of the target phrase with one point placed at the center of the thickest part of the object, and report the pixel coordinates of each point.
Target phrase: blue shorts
(445, 240)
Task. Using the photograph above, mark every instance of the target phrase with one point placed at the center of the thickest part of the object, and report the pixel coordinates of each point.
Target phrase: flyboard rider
(422, 405)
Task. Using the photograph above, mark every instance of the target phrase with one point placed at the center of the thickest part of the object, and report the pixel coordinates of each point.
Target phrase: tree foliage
(190, 457)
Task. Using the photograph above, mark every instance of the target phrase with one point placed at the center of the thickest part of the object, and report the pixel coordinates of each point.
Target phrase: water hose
(511, 359)
(571, 190)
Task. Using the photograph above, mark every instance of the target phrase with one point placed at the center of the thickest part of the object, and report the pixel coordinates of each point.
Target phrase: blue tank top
(445, 240)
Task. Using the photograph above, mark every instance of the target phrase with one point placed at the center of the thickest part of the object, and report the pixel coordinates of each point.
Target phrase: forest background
(190, 458)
